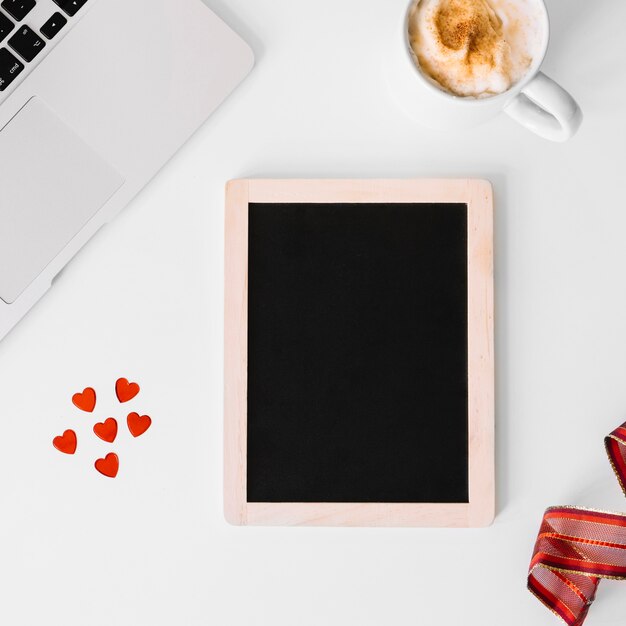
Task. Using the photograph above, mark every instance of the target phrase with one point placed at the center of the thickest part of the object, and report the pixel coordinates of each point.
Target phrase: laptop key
(71, 7)
(18, 9)
(52, 27)
(6, 26)
(10, 67)
(27, 43)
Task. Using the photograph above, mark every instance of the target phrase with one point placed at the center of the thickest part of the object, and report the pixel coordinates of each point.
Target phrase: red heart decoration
(125, 391)
(107, 430)
(66, 443)
(109, 465)
(138, 424)
(85, 401)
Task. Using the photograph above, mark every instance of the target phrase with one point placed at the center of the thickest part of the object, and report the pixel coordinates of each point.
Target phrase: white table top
(144, 301)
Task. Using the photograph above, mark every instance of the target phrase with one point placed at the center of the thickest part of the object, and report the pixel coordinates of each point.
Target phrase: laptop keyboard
(26, 28)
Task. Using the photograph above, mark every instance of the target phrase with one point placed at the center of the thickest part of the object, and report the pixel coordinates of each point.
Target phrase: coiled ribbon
(578, 547)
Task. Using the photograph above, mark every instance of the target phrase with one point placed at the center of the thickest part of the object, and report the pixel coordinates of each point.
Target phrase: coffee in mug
(454, 64)
(476, 48)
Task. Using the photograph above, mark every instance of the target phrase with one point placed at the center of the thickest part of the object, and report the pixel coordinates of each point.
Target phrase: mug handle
(544, 107)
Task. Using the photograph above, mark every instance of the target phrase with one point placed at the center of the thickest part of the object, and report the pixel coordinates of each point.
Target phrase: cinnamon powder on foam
(464, 24)
(468, 52)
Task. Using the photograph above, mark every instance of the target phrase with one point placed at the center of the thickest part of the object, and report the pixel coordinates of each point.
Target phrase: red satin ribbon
(578, 547)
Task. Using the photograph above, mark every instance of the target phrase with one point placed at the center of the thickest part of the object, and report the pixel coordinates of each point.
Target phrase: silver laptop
(95, 97)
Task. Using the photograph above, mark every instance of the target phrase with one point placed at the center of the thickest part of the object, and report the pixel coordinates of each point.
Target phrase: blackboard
(357, 353)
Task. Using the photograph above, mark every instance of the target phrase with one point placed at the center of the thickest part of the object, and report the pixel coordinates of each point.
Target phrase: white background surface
(144, 301)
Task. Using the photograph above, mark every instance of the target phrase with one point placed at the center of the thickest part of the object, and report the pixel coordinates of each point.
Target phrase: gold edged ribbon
(577, 547)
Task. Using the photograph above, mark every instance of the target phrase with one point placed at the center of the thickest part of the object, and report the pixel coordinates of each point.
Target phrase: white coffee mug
(536, 102)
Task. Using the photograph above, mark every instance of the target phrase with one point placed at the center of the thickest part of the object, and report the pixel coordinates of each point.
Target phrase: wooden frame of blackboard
(477, 194)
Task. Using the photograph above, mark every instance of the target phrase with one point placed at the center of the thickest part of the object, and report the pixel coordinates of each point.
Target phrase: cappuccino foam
(475, 48)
